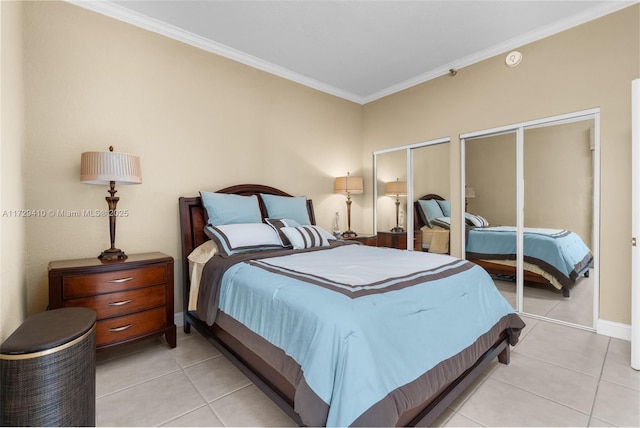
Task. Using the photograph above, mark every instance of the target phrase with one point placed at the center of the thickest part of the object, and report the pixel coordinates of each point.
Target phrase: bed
(330, 346)
(554, 257)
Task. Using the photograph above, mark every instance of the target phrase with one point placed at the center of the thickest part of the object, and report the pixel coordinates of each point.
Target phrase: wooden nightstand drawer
(399, 240)
(129, 326)
(133, 298)
(122, 303)
(108, 282)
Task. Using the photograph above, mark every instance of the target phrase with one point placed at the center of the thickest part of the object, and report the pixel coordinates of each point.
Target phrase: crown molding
(501, 48)
(123, 14)
(120, 13)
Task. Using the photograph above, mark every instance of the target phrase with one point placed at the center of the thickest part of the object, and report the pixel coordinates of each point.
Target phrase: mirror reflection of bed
(544, 283)
(557, 193)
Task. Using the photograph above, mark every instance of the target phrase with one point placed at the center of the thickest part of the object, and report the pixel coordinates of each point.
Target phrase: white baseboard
(178, 319)
(614, 329)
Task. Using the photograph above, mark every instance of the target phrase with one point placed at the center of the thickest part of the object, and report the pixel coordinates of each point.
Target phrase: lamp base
(112, 254)
(349, 234)
(397, 229)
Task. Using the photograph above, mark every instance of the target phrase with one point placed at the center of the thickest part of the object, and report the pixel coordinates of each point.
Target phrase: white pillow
(307, 236)
(243, 237)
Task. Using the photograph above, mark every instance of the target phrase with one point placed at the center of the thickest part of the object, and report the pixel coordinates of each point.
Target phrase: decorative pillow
(292, 207)
(475, 220)
(443, 222)
(242, 238)
(225, 208)
(445, 206)
(430, 210)
(306, 236)
(278, 224)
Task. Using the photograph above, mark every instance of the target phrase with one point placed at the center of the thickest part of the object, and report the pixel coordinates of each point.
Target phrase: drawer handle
(123, 302)
(123, 328)
(117, 281)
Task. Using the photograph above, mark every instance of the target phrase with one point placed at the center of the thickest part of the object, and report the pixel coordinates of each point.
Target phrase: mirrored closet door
(558, 174)
(401, 176)
(490, 195)
(391, 191)
(536, 184)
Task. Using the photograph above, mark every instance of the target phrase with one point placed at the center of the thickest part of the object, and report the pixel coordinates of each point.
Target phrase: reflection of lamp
(110, 168)
(349, 185)
(469, 193)
(396, 188)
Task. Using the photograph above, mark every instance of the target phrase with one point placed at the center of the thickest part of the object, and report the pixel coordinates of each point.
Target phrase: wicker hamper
(48, 370)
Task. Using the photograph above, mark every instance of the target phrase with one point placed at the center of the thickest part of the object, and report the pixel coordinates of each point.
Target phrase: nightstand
(370, 240)
(133, 298)
(399, 240)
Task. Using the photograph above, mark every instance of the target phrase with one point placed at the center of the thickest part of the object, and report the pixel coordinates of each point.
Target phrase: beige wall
(431, 170)
(491, 170)
(198, 122)
(13, 298)
(585, 67)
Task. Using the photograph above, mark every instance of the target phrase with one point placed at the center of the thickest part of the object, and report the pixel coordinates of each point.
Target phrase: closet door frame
(635, 224)
(519, 129)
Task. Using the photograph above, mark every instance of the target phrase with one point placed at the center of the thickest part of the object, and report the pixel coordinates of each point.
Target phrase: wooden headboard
(193, 220)
(418, 222)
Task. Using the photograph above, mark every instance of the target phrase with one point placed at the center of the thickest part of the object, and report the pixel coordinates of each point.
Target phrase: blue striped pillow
(306, 236)
(475, 220)
(278, 223)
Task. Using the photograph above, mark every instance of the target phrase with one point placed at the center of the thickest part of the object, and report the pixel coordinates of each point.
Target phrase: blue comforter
(559, 252)
(365, 322)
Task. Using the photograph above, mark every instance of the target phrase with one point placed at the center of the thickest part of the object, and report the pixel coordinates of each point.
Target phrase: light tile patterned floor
(546, 301)
(558, 376)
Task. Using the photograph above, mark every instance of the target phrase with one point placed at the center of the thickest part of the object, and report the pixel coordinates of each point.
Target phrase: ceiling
(357, 50)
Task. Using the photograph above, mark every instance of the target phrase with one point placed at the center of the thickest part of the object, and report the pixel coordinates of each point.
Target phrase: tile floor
(548, 302)
(558, 376)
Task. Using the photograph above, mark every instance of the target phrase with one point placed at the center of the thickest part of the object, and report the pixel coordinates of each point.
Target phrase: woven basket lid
(47, 330)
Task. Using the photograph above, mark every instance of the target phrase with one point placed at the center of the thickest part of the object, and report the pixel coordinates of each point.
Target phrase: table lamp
(349, 186)
(396, 188)
(110, 168)
(469, 193)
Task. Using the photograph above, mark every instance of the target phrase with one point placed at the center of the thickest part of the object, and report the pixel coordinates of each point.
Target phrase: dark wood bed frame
(265, 377)
(495, 268)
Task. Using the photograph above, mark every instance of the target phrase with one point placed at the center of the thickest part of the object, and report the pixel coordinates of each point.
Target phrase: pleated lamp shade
(469, 192)
(349, 185)
(104, 167)
(396, 188)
